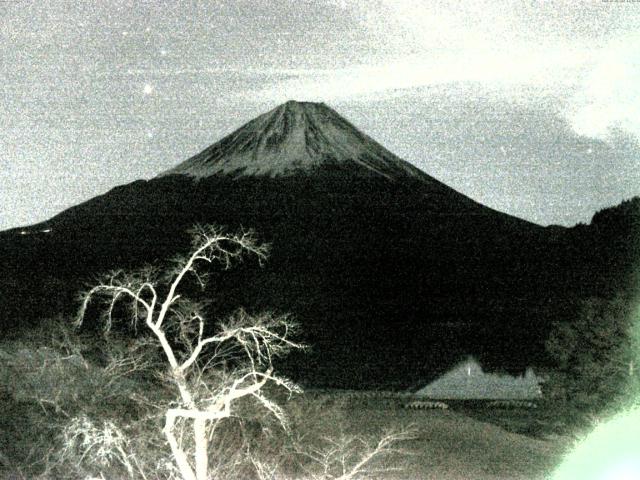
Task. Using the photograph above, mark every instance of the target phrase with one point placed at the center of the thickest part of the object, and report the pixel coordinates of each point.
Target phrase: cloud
(500, 68)
(609, 94)
(586, 58)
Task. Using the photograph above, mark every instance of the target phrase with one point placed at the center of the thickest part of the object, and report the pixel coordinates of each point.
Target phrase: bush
(594, 357)
(64, 406)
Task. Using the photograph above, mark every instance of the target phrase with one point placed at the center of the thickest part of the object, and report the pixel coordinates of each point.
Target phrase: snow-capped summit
(292, 138)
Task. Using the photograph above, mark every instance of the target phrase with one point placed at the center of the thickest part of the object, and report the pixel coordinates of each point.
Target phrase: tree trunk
(202, 459)
(178, 455)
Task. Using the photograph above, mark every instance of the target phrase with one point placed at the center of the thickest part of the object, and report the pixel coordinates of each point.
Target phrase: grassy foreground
(452, 444)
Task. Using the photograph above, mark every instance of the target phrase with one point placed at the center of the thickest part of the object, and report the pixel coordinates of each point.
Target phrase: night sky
(532, 109)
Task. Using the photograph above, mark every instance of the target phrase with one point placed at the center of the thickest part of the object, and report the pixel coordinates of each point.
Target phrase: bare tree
(207, 391)
(351, 457)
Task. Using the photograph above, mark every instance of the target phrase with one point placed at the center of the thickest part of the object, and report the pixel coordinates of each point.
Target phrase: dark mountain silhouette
(393, 275)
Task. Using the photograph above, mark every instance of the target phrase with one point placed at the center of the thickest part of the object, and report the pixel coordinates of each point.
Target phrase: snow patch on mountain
(292, 138)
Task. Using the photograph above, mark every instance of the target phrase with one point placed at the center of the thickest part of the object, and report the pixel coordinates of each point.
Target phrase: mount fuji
(392, 274)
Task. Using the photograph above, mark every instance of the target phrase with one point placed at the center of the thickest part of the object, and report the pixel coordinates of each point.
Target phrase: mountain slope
(295, 137)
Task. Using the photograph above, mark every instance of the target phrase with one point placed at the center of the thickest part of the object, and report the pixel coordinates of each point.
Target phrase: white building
(467, 381)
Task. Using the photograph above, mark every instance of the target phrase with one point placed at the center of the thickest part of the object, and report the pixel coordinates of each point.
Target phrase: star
(148, 89)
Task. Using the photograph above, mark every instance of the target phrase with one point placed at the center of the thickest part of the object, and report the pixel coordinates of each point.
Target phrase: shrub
(594, 357)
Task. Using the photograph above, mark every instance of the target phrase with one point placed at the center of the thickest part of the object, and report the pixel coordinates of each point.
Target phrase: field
(462, 442)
